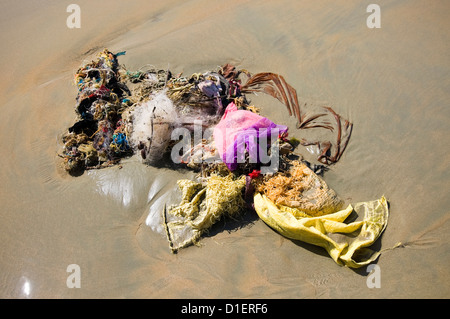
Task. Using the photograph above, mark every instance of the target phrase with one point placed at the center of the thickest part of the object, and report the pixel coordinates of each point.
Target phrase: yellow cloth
(345, 242)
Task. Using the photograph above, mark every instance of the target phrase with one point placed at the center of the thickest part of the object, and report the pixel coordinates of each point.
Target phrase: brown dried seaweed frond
(344, 131)
(331, 153)
(276, 86)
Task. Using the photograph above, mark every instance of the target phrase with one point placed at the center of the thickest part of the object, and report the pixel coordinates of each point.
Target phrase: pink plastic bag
(241, 131)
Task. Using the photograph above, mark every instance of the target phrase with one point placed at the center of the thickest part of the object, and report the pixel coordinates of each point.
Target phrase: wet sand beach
(391, 82)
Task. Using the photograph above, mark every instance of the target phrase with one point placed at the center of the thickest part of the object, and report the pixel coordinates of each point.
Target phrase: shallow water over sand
(392, 83)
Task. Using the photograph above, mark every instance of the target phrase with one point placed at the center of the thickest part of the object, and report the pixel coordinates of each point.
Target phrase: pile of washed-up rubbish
(243, 159)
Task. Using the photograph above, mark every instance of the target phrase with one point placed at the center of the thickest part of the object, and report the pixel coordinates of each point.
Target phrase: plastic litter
(153, 122)
(239, 131)
(166, 101)
(121, 113)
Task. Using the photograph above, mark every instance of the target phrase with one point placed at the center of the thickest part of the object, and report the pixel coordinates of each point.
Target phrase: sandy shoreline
(392, 83)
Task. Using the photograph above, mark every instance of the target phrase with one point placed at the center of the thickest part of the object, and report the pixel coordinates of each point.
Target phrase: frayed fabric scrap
(346, 243)
(201, 207)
